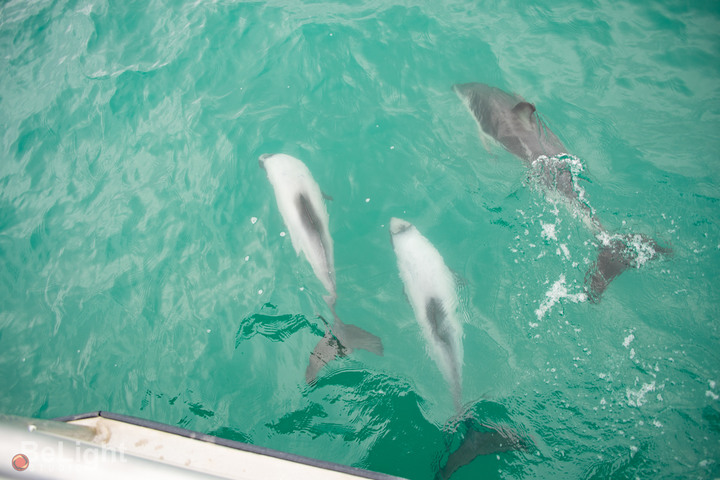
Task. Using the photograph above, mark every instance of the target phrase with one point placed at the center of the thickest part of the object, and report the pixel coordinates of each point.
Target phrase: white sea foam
(544, 167)
(644, 250)
(548, 231)
(628, 340)
(637, 249)
(605, 238)
(636, 398)
(557, 292)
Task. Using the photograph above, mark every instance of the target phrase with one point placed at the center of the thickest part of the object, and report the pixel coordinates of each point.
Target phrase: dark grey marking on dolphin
(436, 316)
(312, 223)
(514, 123)
(307, 213)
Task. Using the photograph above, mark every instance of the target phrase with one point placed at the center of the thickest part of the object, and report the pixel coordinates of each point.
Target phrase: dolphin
(514, 123)
(301, 206)
(430, 289)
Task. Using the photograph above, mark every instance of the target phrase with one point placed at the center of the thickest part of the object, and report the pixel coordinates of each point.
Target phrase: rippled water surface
(145, 269)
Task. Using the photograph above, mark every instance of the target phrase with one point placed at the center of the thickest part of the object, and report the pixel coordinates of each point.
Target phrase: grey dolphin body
(301, 205)
(509, 120)
(514, 123)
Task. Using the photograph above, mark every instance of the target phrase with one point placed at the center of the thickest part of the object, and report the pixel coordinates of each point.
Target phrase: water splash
(636, 249)
(557, 177)
(557, 292)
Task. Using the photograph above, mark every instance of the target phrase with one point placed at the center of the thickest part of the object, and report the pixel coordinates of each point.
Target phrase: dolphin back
(509, 120)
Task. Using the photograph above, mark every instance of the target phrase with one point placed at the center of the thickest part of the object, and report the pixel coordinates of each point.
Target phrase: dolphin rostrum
(430, 289)
(514, 123)
(301, 205)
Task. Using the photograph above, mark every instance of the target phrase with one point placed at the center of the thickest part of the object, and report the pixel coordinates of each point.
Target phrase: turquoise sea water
(144, 269)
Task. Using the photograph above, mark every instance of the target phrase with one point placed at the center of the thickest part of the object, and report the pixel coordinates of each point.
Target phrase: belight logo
(50, 457)
(20, 462)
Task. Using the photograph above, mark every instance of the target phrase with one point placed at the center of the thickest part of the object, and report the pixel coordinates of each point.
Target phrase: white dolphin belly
(430, 288)
(301, 205)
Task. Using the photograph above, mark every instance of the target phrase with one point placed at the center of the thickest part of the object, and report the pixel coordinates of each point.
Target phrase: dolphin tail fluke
(340, 339)
(326, 350)
(355, 337)
(494, 440)
(618, 253)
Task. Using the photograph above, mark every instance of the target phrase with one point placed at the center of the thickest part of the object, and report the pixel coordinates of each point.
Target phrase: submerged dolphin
(514, 123)
(430, 289)
(301, 205)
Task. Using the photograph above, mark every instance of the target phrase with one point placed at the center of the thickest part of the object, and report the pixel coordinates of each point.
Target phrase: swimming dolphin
(514, 123)
(301, 205)
(430, 289)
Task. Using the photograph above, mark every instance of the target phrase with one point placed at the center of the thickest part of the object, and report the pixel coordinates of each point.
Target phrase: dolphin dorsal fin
(524, 110)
